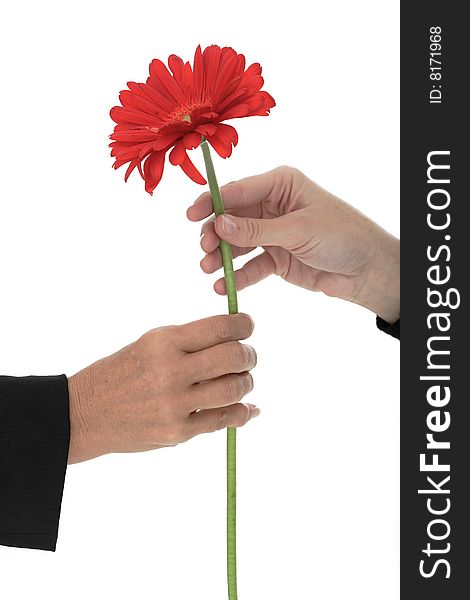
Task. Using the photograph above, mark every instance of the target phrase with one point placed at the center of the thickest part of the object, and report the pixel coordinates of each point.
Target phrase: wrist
(81, 445)
(380, 292)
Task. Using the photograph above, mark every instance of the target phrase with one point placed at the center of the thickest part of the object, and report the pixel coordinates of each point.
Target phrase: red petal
(226, 50)
(211, 66)
(121, 127)
(192, 140)
(177, 155)
(165, 140)
(136, 136)
(226, 73)
(224, 138)
(153, 171)
(161, 101)
(128, 151)
(231, 87)
(120, 114)
(223, 150)
(207, 129)
(118, 163)
(210, 115)
(126, 99)
(187, 79)
(135, 97)
(254, 84)
(130, 168)
(198, 72)
(176, 65)
(228, 133)
(241, 63)
(146, 149)
(165, 82)
(120, 153)
(157, 164)
(191, 171)
(254, 69)
(269, 101)
(262, 102)
(229, 99)
(239, 110)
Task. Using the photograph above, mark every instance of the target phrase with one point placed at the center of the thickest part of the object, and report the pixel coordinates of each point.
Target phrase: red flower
(173, 110)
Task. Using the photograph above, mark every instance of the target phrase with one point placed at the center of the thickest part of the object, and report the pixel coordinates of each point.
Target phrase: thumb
(244, 232)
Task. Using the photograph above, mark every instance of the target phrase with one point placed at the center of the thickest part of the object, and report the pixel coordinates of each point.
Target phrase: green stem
(227, 261)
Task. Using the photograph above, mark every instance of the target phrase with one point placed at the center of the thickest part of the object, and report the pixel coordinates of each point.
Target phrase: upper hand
(310, 238)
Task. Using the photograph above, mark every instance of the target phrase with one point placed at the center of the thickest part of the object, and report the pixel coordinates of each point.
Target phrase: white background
(89, 264)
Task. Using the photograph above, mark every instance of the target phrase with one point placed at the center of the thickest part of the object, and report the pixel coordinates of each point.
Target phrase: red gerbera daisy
(174, 110)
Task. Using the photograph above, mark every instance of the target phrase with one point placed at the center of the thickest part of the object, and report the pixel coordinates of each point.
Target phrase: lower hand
(171, 384)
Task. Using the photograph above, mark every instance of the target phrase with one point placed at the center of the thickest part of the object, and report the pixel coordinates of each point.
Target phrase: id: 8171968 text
(435, 64)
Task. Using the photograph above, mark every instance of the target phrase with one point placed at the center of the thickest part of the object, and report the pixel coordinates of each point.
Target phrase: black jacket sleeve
(390, 328)
(34, 445)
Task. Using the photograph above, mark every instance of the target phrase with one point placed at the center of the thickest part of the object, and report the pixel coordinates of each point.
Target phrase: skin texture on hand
(171, 384)
(310, 238)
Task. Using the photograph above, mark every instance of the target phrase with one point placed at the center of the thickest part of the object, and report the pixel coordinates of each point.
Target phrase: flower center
(184, 112)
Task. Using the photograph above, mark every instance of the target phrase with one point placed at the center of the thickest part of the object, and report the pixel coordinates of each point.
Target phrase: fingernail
(254, 410)
(228, 225)
(251, 319)
(251, 352)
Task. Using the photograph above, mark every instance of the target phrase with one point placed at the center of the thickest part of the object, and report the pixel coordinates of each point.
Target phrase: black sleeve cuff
(392, 329)
(34, 446)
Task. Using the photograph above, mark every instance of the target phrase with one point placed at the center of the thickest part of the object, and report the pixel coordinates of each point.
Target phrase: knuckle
(246, 384)
(227, 389)
(245, 324)
(176, 431)
(286, 171)
(225, 328)
(157, 336)
(185, 432)
(167, 374)
(235, 354)
(171, 436)
(176, 367)
(252, 229)
(232, 388)
(285, 178)
(167, 415)
(223, 419)
(148, 338)
(242, 415)
(208, 225)
(282, 169)
(249, 384)
(234, 189)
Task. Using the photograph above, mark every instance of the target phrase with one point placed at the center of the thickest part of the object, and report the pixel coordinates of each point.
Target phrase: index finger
(211, 331)
(236, 194)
